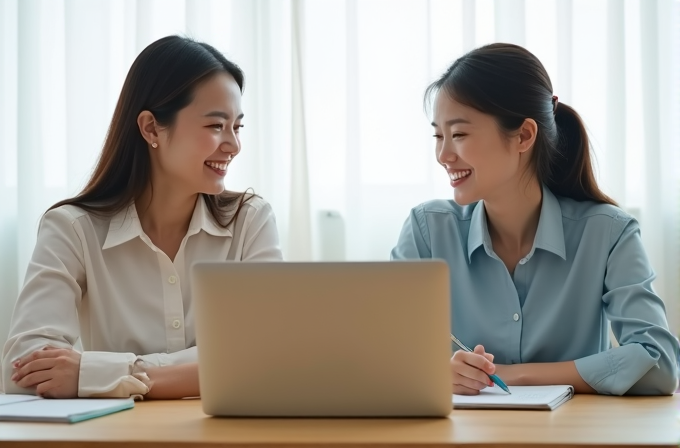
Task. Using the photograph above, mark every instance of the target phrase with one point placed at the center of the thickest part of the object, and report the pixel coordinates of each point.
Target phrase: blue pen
(499, 382)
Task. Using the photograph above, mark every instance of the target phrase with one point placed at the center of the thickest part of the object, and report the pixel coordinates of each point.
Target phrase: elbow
(666, 384)
(660, 380)
(668, 381)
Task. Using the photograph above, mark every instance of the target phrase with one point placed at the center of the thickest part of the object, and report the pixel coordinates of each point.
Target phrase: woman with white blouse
(106, 307)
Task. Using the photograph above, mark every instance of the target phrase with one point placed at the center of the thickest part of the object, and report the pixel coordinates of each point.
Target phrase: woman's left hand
(54, 372)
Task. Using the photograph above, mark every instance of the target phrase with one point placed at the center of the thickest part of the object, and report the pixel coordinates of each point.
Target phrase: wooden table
(583, 421)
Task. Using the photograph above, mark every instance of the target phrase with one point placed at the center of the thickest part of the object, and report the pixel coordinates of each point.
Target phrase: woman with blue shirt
(540, 258)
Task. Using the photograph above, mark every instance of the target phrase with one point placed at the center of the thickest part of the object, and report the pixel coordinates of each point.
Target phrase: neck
(512, 216)
(164, 211)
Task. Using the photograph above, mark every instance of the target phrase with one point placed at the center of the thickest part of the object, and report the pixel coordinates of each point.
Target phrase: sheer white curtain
(335, 137)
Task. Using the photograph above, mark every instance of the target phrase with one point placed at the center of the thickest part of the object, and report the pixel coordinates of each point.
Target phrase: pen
(499, 382)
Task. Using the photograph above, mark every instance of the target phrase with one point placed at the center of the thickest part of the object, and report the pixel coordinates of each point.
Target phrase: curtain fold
(335, 135)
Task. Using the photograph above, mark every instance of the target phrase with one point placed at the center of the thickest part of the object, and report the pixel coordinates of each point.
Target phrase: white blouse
(100, 286)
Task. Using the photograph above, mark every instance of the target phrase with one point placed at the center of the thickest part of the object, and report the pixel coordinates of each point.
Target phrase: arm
(646, 363)
(173, 382)
(45, 315)
(543, 374)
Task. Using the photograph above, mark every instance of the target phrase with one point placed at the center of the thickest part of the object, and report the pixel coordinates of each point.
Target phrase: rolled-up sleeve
(646, 363)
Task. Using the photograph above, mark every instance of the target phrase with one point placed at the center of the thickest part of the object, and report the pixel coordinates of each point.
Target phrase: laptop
(327, 339)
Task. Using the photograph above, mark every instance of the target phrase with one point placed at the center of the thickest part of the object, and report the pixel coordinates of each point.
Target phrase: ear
(148, 127)
(527, 135)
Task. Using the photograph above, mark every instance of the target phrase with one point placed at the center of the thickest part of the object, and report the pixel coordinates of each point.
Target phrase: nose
(231, 144)
(446, 153)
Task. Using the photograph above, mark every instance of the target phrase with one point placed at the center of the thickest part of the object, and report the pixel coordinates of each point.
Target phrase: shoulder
(70, 215)
(255, 212)
(609, 218)
(255, 204)
(579, 210)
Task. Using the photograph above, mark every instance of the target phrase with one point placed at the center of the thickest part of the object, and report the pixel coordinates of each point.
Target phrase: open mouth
(217, 165)
(458, 175)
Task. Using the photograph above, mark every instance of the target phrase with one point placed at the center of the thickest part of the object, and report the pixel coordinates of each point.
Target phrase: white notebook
(522, 397)
(29, 408)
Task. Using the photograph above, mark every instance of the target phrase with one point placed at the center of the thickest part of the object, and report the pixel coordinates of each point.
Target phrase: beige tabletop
(583, 421)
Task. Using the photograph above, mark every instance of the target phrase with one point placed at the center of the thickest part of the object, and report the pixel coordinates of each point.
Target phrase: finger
(479, 349)
(34, 366)
(473, 378)
(35, 378)
(41, 354)
(489, 356)
(46, 389)
(476, 360)
(462, 390)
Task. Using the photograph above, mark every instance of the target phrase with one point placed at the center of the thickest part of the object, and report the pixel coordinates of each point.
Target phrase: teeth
(459, 174)
(217, 166)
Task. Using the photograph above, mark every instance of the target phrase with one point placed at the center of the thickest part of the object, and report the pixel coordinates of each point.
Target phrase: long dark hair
(161, 80)
(510, 83)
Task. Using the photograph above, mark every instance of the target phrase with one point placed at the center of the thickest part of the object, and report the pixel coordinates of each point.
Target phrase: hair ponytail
(572, 173)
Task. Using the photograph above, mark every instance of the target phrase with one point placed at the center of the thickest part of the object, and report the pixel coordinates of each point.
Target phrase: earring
(154, 145)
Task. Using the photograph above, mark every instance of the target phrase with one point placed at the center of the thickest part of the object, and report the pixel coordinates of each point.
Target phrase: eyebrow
(217, 113)
(453, 121)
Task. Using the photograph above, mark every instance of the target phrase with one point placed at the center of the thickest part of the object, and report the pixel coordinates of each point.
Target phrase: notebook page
(16, 398)
(521, 396)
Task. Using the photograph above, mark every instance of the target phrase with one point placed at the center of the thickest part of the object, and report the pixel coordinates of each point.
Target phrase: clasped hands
(54, 372)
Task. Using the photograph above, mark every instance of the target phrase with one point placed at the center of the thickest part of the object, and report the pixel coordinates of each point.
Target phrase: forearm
(541, 374)
(173, 382)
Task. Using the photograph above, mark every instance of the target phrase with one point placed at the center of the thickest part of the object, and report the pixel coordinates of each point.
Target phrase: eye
(237, 128)
(457, 135)
(217, 126)
(437, 136)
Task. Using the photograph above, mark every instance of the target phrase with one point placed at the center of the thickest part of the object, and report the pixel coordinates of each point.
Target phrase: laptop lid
(323, 339)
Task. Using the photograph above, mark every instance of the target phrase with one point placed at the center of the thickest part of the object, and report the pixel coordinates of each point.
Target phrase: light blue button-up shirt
(587, 266)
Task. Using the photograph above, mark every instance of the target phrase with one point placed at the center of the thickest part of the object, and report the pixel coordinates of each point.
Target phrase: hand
(54, 372)
(470, 371)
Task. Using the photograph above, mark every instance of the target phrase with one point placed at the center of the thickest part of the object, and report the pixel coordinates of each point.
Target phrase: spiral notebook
(523, 397)
(30, 408)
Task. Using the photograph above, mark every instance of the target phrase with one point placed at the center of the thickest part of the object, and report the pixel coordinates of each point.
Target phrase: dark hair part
(161, 80)
(510, 83)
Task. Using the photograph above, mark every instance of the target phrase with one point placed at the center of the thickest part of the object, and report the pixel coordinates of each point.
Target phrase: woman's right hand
(470, 371)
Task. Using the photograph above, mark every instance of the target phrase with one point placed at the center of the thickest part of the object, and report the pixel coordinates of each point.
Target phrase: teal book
(29, 408)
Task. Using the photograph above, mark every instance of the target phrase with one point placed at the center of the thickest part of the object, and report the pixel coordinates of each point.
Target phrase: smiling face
(196, 150)
(481, 161)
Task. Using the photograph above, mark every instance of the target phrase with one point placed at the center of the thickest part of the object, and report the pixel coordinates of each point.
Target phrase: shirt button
(176, 324)
(172, 279)
(522, 261)
(515, 317)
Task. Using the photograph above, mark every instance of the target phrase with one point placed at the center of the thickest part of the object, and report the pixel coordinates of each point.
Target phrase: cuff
(615, 371)
(106, 374)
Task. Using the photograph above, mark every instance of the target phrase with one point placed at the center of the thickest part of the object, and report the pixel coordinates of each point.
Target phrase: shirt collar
(479, 232)
(125, 225)
(202, 219)
(549, 234)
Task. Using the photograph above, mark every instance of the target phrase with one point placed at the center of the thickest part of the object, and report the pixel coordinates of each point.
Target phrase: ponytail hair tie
(555, 101)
